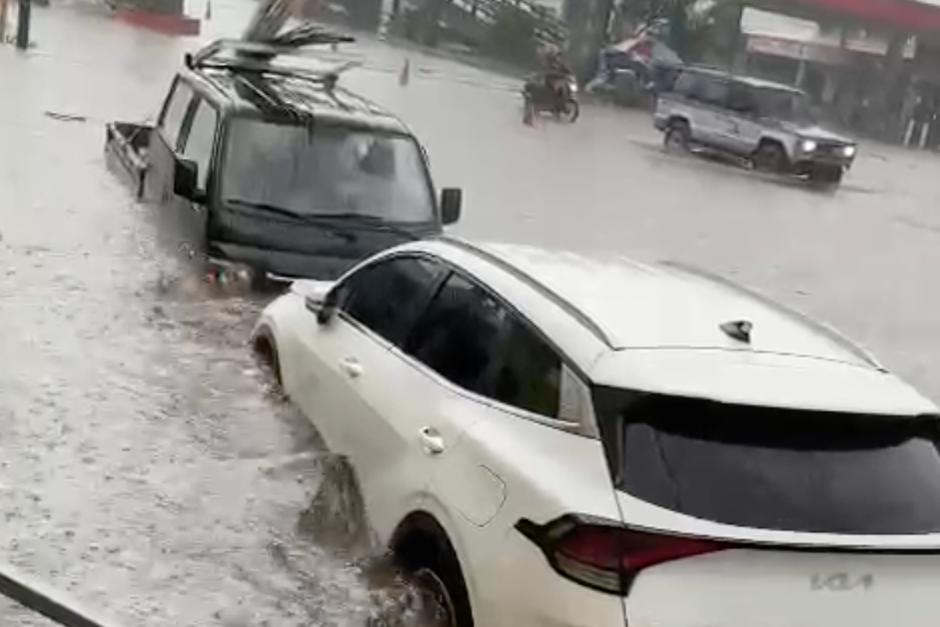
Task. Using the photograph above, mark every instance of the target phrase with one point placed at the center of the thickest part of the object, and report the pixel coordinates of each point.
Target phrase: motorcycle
(562, 102)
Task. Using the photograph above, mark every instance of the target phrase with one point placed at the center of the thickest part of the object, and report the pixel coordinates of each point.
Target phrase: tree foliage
(513, 36)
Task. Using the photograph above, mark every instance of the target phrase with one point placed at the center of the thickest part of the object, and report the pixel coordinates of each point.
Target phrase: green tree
(513, 36)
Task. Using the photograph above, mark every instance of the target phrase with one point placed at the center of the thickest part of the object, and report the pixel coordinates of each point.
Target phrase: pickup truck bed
(126, 146)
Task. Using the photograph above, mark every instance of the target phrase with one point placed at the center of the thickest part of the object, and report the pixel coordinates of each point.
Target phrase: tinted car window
(713, 92)
(741, 99)
(529, 374)
(687, 85)
(459, 335)
(171, 122)
(335, 170)
(780, 469)
(784, 105)
(387, 297)
(200, 139)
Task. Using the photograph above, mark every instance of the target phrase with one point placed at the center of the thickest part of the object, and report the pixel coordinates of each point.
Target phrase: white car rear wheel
(437, 606)
(427, 557)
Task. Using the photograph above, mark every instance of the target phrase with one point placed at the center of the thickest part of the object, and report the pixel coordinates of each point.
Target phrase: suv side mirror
(451, 202)
(186, 180)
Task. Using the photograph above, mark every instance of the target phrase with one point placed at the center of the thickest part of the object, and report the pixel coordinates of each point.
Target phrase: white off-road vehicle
(768, 123)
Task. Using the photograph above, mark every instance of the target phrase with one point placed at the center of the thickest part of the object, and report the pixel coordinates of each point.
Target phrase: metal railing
(43, 600)
(549, 29)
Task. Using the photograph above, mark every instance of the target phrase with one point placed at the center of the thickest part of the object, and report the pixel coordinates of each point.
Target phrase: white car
(557, 440)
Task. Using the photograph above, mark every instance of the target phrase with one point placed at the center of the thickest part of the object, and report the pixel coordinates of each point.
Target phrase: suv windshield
(776, 469)
(783, 104)
(326, 170)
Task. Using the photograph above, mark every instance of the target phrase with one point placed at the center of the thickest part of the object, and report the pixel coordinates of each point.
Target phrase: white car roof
(636, 305)
(614, 316)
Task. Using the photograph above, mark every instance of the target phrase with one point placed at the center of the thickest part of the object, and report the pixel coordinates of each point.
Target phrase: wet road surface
(149, 468)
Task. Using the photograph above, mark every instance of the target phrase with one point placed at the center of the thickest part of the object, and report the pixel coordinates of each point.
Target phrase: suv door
(713, 113)
(445, 375)
(165, 141)
(498, 405)
(354, 389)
(746, 123)
(200, 136)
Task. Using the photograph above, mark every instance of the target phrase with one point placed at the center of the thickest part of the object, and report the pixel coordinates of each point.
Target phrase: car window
(388, 296)
(335, 170)
(529, 375)
(470, 338)
(174, 113)
(459, 335)
(201, 138)
(687, 85)
(782, 469)
(714, 92)
(741, 99)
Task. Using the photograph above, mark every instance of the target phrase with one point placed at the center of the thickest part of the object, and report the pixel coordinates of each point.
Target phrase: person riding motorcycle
(557, 74)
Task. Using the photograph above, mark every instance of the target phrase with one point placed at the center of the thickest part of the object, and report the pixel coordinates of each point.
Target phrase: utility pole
(22, 25)
(3, 21)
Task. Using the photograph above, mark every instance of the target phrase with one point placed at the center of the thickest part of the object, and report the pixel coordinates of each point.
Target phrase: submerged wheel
(430, 562)
(770, 157)
(437, 604)
(266, 352)
(677, 138)
(572, 111)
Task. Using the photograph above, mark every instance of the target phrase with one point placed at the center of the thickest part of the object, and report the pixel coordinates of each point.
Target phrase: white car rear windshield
(777, 469)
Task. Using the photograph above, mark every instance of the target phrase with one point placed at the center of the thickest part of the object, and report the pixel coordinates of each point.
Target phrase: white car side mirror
(319, 299)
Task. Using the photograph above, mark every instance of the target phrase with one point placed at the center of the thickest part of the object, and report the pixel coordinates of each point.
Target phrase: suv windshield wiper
(374, 222)
(294, 215)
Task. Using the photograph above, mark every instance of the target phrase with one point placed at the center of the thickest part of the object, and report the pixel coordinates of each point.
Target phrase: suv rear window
(778, 469)
(708, 89)
(686, 85)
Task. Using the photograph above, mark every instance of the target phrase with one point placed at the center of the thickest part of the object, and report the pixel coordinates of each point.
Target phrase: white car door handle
(351, 367)
(431, 441)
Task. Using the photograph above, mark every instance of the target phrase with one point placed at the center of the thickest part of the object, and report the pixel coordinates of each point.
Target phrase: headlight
(849, 151)
(808, 145)
(573, 86)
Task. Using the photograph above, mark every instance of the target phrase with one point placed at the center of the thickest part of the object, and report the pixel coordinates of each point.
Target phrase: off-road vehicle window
(200, 139)
(171, 122)
(327, 171)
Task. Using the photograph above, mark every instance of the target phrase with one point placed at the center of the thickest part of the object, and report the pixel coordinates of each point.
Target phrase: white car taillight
(604, 555)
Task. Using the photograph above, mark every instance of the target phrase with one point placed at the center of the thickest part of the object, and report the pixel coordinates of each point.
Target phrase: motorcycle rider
(557, 74)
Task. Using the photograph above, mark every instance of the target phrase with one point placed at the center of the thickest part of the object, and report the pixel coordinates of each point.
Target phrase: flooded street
(150, 469)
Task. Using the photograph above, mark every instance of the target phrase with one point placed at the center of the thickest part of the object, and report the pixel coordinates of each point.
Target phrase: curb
(161, 22)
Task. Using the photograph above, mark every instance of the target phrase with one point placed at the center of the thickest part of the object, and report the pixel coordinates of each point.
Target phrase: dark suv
(268, 171)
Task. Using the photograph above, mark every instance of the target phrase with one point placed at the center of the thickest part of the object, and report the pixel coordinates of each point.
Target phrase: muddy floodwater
(151, 470)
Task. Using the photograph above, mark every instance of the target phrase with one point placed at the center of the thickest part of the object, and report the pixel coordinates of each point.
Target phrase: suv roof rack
(295, 42)
(257, 56)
